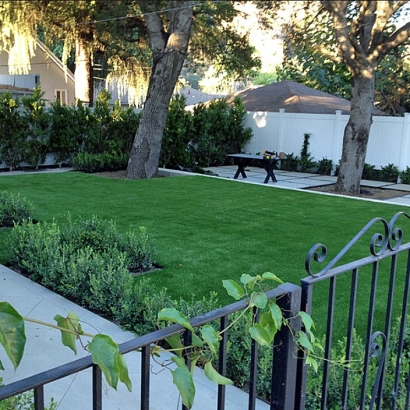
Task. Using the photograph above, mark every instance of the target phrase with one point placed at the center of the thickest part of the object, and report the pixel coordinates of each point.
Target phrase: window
(61, 95)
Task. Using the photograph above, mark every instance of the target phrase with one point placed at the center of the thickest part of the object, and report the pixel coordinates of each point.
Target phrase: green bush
(64, 132)
(291, 162)
(306, 161)
(90, 163)
(64, 258)
(12, 131)
(23, 401)
(14, 209)
(219, 131)
(178, 132)
(37, 133)
(389, 173)
(324, 166)
(369, 172)
(405, 176)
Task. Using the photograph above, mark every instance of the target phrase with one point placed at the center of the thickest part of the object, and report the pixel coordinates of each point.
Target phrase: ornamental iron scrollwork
(377, 351)
(390, 240)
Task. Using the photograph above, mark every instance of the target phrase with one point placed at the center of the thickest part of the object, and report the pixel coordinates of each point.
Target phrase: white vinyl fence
(389, 141)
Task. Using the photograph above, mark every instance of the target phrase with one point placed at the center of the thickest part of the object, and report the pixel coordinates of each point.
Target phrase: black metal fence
(388, 261)
(283, 382)
(382, 368)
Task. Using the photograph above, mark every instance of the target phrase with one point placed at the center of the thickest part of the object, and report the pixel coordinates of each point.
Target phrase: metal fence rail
(283, 379)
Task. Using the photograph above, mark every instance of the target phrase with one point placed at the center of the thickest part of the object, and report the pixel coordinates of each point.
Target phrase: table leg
(269, 167)
(241, 163)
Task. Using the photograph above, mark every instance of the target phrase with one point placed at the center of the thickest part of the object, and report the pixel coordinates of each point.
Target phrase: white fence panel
(389, 141)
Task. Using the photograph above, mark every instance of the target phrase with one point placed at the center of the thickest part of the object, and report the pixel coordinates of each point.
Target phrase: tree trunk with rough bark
(84, 79)
(363, 39)
(356, 136)
(169, 51)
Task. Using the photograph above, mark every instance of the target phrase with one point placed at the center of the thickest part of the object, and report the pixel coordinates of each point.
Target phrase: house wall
(389, 141)
(51, 74)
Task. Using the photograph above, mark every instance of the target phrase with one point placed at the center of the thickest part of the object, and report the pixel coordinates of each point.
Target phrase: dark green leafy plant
(306, 161)
(389, 173)
(219, 131)
(324, 166)
(105, 161)
(37, 119)
(405, 176)
(179, 131)
(64, 132)
(369, 172)
(65, 258)
(12, 131)
(291, 162)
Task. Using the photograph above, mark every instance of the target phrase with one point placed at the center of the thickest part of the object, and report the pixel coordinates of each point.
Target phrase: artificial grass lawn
(207, 229)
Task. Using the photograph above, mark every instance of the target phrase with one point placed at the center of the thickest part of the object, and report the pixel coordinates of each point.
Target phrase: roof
(55, 59)
(194, 96)
(294, 98)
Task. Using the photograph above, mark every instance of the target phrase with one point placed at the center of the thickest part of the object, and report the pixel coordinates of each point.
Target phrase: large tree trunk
(169, 51)
(356, 135)
(83, 74)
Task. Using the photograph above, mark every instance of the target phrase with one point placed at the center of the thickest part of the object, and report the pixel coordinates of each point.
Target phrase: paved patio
(300, 180)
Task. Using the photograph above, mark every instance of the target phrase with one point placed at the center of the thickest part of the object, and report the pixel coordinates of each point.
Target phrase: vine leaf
(268, 324)
(307, 321)
(174, 316)
(175, 342)
(71, 323)
(12, 333)
(258, 299)
(214, 376)
(211, 337)
(276, 314)
(249, 280)
(260, 334)
(107, 356)
(182, 378)
(271, 276)
(233, 289)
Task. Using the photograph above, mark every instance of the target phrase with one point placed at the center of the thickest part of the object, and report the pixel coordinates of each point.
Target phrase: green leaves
(182, 378)
(174, 316)
(71, 323)
(12, 333)
(233, 289)
(214, 376)
(106, 355)
(211, 337)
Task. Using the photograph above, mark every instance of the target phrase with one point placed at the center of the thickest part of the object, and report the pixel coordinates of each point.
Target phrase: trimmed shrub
(14, 209)
(178, 132)
(219, 131)
(90, 163)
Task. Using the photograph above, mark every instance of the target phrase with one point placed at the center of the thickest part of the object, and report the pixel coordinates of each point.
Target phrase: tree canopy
(311, 58)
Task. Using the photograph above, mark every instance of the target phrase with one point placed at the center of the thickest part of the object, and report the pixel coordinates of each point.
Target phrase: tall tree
(170, 32)
(90, 29)
(364, 33)
(364, 37)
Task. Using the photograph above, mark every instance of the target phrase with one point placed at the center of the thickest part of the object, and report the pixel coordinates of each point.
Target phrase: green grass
(206, 229)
